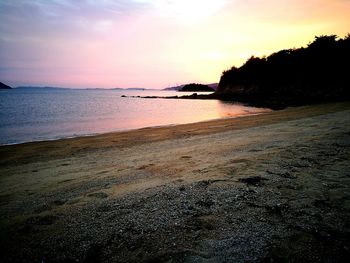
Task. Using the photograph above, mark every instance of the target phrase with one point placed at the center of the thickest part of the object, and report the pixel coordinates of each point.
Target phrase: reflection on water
(34, 114)
(231, 109)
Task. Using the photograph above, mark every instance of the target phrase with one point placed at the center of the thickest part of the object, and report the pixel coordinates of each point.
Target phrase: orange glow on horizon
(155, 44)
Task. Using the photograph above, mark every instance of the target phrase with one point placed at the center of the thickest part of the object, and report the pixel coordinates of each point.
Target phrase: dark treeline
(318, 73)
(196, 87)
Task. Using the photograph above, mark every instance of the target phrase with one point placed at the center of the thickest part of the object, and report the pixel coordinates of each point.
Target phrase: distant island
(315, 74)
(4, 86)
(175, 88)
(196, 87)
(179, 87)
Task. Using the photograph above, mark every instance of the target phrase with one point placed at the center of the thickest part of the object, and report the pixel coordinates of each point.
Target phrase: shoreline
(129, 130)
(115, 121)
(141, 135)
(262, 188)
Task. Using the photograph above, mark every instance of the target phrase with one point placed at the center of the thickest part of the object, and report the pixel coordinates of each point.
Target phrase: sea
(39, 114)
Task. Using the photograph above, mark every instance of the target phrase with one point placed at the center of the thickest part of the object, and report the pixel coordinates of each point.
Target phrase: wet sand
(264, 188)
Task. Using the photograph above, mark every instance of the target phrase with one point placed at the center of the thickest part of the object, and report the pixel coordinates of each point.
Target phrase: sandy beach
(265, 188)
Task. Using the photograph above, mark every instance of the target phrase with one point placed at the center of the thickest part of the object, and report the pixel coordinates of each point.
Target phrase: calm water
(45, 114)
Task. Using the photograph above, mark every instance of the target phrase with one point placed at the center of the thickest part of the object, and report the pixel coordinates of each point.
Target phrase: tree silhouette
(317, 73)
(196, 87)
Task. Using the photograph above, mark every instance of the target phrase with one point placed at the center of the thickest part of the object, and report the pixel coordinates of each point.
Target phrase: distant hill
(316, 73)
(135, 89)
(213, 85)
(176, 88)
(4, 86)
(196, 87)
(129, 89)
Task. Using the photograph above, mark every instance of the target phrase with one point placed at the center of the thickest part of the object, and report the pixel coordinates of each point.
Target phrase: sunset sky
(151, 43)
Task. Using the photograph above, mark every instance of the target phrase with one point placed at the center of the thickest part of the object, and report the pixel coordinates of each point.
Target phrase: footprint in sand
(65, 181)
(253, 180)
(143, 167)
(103, 172)
(63, 164)
(99, 195)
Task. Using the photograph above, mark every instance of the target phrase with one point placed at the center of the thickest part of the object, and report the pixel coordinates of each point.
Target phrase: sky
(151, 43)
